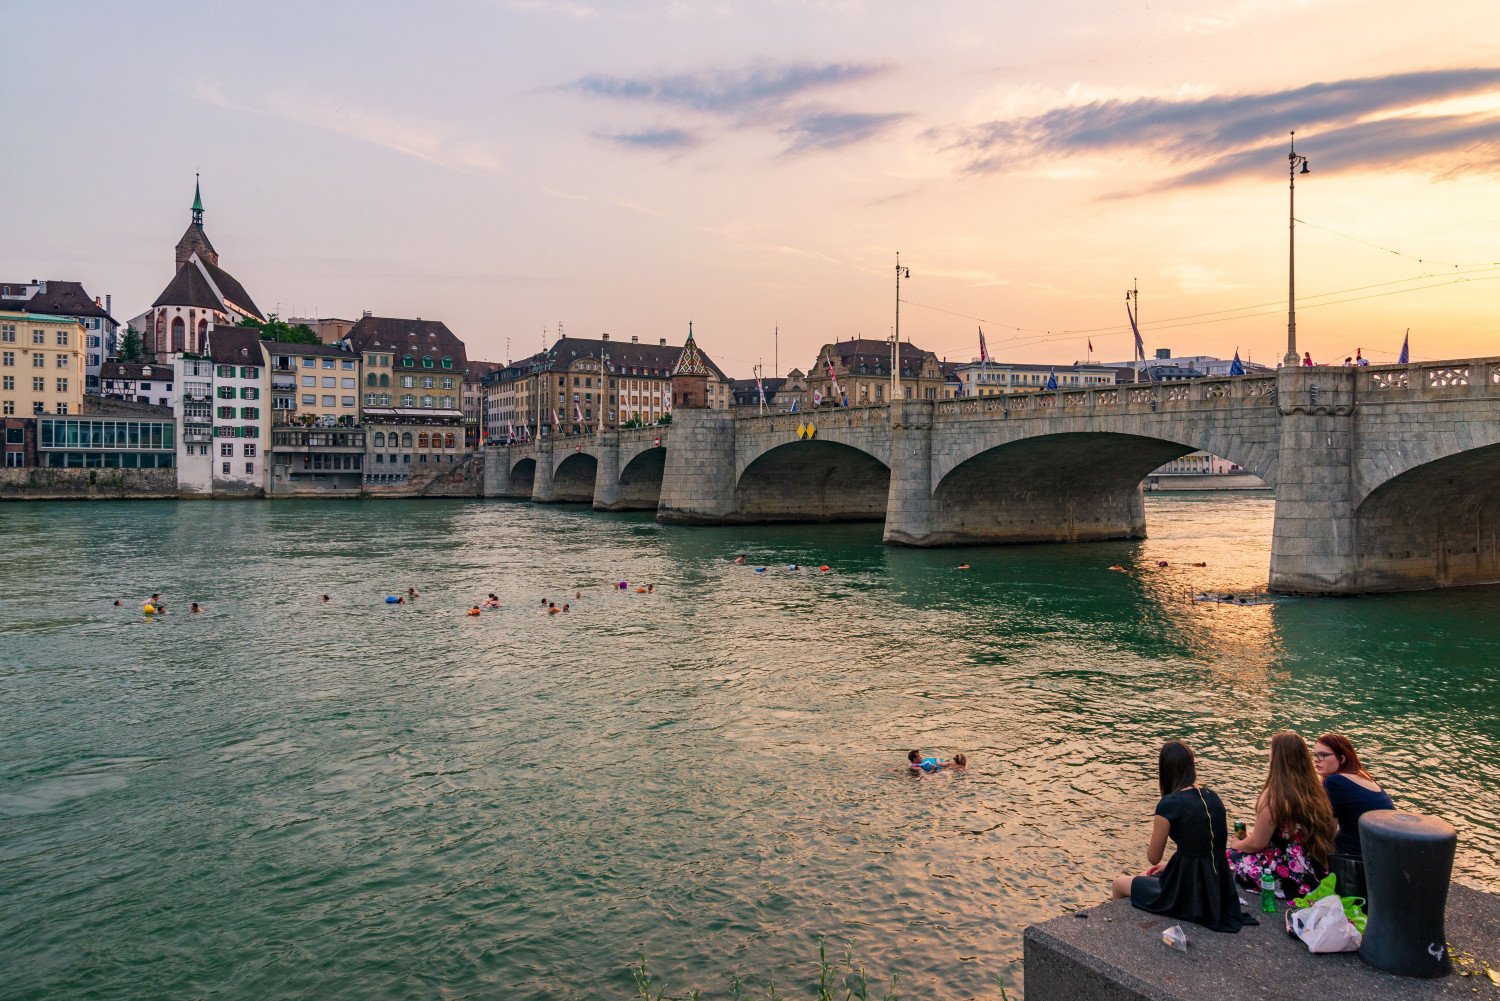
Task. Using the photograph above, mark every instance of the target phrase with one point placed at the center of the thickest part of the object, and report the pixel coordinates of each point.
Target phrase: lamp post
(1294, 160)
(896, 334)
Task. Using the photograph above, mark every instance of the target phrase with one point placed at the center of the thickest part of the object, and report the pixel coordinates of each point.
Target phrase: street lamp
(1294, 160)
(896, 334)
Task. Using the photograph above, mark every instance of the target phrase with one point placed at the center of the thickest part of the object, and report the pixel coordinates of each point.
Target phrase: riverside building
(68, 299)
(314, 384)
(136, 382)
(240, 420)
(995, 378)
(862, 370)
(41, 364)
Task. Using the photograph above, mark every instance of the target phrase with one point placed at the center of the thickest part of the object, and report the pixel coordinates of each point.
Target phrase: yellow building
(41, 364)
(314, 384)
(862, 367)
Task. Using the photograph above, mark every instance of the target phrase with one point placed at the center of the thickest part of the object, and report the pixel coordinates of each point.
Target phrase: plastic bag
(1176, 938)
(1325, 928)
(1353, 906)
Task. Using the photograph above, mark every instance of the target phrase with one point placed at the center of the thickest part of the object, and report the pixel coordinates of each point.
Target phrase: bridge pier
(607, 472)
(697, 486)
(496, 472)
(542, 491)
(1313, 543)
(908, 512)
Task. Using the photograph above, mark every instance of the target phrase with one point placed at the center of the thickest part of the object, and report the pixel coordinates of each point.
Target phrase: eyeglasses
(1320, 755)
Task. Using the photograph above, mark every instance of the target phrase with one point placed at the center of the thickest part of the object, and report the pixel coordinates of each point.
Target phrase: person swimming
(565, 606)
(552, 609)
(624, 585)
(917, 763)
(474, 610)
(325, 598)
(963, 566)
(412, 592)
(118, 602)
(195, 607)
(740, 559)
(492, 601)
(577, 595)
(650, 588)
(823, 568)
(1119, 569)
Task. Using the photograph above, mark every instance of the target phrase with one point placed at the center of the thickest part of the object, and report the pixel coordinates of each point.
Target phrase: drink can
(1239, 829)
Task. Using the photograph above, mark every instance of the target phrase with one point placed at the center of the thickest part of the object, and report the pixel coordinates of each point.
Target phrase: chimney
(634, 339)
(604, 337)
(98, 303)
(662, 342)
(108, 307)
(367, 312)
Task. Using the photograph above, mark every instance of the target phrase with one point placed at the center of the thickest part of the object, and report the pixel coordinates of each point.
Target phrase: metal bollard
(1408, 865)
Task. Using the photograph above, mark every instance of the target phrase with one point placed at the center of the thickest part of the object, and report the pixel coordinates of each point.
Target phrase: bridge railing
(1429, 380)
(1244, 390)
(825, 418)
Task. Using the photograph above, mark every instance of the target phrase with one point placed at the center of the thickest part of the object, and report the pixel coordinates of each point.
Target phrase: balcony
(197, 437)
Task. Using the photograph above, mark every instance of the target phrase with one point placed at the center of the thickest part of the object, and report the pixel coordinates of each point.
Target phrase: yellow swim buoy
(149, 608)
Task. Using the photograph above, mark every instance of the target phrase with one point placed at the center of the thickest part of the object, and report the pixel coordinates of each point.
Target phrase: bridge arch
(573, 478)
(1433, 524)
(641, 479)
(522, 477)
(1061, 487)
(816, 480)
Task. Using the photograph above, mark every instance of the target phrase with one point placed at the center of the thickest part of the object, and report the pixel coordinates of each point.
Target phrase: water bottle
(1267, 892)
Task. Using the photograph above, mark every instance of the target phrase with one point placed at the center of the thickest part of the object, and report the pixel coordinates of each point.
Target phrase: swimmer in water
(565, 606)
(325, 599)
(118, 602)
(963, 566)
(959, 762)
(823, 568)
(577, 595)
(740, 559)
(492, 601)
(1119, 569)
(195, 607)
(640, 590)
(917, 763)
(650, 588)
(553, 609)
(474, 610)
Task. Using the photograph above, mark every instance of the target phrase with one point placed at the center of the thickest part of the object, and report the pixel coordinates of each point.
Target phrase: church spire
(197, 202)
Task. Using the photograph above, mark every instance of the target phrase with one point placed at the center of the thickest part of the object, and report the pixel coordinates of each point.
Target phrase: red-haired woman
(1294, 826)
(1351, 790)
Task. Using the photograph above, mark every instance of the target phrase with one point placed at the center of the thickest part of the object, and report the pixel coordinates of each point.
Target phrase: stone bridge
(1385, 477)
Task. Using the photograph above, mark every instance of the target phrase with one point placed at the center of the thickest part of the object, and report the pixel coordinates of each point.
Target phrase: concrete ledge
(1114, 953)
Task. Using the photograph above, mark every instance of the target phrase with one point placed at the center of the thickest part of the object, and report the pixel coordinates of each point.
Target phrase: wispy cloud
(1349, 124)
(445, 146)
(665, 140)
(829, 130)
(764, 96)
(563, 8)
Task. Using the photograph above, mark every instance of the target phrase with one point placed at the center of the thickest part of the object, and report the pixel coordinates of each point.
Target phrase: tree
(132, 348)
(274, 328)
(665, 420)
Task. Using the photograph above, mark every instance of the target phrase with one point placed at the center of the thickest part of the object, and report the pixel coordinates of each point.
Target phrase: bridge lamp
(1294, 160)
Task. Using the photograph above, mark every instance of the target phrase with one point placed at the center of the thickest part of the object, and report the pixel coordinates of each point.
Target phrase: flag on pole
(761, 389)
(817, 397)
(1052, 379)
(556, 418)
(1405, 358)
(1091, 347)
(795, 401)
(1236, 367)
(666, 397)
(577, 413)
(510, 427)
(984, 352)
(1140, 345)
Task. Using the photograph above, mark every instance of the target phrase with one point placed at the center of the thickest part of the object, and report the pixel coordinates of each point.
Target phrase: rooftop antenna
(776, 356)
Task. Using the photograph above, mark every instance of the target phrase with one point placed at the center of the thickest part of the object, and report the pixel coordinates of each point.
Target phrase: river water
(281, 798)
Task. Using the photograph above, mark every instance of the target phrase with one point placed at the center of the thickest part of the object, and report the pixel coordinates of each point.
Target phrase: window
(250, 413)
(38, 384)
(226, 448)
(8, 333)
(447, 403)
(408, 382)
(39, 337)
(407, 361)
(9, 407)
(249, 393)
(447, 382)
(309, 399)
(426, 362)
(249, 451)
(330, 363)
(347, 401)
(448, 442)
(427, 382)
(62, 360)
(347, 366)
(8, 359)
(38, 360)
(250, 372)
(328, 401)
(309, 363)
(370, 399)
(370, 380)
(62, 385)
(309, 380)
(36, 407)
(406, 440)
(329, 382)
(408, 400)
(385, 380)
(62, 338)
(447, 362)
(249, 468)
(380, 439)
(427, 402)
(226, 469)
(422, 440)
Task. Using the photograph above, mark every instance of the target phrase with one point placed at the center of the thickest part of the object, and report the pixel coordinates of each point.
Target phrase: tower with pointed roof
(690, 377)
(200, 297)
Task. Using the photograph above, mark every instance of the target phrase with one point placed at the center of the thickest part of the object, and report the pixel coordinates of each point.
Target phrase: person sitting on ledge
(1351, 791)
(1195, 884)
(1293, 832)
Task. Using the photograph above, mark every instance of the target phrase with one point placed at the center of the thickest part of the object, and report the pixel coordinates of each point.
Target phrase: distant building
(41, 364)
(476, 416)
(862, 369)
(19, 445)
(200, 297)
(316, 459)
(137, 382)
(413, 385)
(565, 387)
(1164, 367)
(996, 378)
(330, 329)
(747, 394)
(314, 383)
(240, 420)
(64, 298)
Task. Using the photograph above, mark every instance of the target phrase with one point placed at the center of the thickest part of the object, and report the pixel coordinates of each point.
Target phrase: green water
(280, 798)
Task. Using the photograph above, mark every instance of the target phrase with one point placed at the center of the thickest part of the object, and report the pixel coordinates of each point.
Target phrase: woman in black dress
(1195, 884)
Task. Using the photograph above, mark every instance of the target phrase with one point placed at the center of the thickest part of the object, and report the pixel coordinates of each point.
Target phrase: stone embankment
(87, 484)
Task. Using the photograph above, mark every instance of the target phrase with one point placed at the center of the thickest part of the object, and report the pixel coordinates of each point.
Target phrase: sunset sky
(509, 165)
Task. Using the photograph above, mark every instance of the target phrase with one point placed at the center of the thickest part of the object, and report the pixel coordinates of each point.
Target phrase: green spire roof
(197, 200)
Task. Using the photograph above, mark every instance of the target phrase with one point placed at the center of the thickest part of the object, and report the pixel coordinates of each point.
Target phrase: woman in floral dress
(1294, 826)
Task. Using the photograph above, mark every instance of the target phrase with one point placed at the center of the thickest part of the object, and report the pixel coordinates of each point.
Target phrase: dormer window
(408, 361)
(426, 362)
(447, 362)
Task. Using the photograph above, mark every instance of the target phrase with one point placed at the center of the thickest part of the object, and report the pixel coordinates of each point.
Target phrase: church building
(200, 296)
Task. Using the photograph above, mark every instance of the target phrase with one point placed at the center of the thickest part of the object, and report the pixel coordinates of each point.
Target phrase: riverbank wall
(45, 483)
(1166, 482)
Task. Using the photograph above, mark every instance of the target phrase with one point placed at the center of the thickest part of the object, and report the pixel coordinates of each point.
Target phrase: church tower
(194, 240)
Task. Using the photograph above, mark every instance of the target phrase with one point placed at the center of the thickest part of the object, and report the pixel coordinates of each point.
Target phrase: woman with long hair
(1294, 827)
(1195, 884)
(1351, 790)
